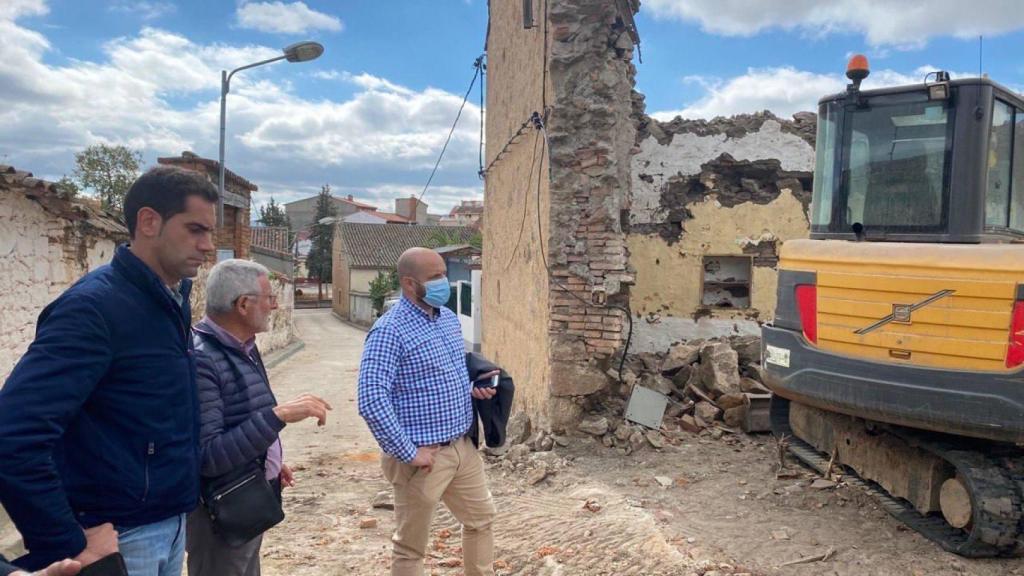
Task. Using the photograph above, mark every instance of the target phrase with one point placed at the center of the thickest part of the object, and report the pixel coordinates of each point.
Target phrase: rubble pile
(710, 385)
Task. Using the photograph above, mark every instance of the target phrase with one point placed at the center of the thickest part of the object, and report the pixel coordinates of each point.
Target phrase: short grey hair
(231, 279)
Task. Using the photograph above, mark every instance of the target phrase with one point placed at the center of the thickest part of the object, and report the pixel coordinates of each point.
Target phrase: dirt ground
(598, 512)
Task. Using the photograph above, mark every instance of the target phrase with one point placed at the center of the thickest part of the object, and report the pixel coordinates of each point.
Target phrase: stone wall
(732, 187)
(47, 242)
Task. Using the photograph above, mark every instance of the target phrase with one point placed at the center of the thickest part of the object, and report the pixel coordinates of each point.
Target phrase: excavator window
(895, 159)
(1000, 151)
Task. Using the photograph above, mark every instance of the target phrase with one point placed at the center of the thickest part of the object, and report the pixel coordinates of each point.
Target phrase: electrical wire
(519, 132)
(478, 65)
(483, 77)
(526, 201)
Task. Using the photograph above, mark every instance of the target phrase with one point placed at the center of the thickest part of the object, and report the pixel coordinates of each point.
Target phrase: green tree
(451, 237)
(319, 261)
(108, 171)
(273, 214)
(385, 283)
(66, 187)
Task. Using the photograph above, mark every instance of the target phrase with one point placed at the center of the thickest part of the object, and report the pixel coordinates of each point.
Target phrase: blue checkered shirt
(414, 389)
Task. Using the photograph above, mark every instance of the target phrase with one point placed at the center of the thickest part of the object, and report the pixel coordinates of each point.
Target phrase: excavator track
(995, 483)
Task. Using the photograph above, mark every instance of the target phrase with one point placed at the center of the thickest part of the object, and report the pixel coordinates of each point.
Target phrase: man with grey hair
(239, 418)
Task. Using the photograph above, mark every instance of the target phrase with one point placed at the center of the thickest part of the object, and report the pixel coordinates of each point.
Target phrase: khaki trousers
(458, 480)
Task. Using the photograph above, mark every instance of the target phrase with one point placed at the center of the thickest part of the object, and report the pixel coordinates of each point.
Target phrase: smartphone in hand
(491, 382)
(110, 565)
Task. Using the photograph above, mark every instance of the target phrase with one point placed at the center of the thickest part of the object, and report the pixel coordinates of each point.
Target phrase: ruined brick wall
(591, 133)
(732, 187)
(46, 243)
(539, 284)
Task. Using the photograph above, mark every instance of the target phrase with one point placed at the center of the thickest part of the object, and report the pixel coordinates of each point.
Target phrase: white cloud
(905, 23)
(13, 9)
(145, 9)
(158, 92)
(282, 18)
(783, 91)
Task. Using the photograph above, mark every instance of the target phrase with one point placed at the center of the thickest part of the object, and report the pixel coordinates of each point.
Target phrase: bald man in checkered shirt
(416, 397)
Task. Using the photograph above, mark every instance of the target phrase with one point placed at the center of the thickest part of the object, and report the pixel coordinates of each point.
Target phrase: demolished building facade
(608, 210)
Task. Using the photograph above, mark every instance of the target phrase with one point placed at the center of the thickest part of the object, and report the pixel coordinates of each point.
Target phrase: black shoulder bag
(241, 504)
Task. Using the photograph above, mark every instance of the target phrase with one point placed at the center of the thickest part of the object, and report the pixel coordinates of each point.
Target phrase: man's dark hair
(165, 189)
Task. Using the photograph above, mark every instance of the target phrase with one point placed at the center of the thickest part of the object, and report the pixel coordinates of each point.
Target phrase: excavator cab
(897, 348)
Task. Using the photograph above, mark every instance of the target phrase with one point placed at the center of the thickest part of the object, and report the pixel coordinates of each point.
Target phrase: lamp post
(298, 52)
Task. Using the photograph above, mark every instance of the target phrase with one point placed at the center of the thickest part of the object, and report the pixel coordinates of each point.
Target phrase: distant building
(301, 212)
(464, 275)
(361, 251)
(270, 246)
(467, 213)
(233, 236)
(375, 217)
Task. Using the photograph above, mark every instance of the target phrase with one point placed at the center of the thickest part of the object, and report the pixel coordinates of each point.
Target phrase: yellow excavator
(897, 348)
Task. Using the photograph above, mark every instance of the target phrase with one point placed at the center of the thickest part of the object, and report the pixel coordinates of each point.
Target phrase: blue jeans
(156, 549)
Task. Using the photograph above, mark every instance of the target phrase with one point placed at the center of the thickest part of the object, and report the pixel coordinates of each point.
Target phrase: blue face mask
(437, 292)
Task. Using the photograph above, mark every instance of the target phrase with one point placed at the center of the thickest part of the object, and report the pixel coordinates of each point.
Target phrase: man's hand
(287, 477)
(61, 568)
(485, 393)
(305, 406)
(424, 458)
(100, 541)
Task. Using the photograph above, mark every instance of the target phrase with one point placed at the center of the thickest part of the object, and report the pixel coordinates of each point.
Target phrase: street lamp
(298, 52)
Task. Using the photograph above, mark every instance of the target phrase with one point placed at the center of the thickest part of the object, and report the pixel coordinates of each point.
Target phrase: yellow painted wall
(359, 280)
(668, 277)
(514, 281)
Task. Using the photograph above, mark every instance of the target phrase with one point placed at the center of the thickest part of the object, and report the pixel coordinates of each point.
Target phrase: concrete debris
(596, 426)
(658, 383)
(713, 387)
(748, 348)
(727, 401)
(383, 500)
(664, 481)
(719, 369)
(517, 453)
(518, 429)
(537, 474)
(654, 438)
(680, 355)
(822, 484)
(707, 412)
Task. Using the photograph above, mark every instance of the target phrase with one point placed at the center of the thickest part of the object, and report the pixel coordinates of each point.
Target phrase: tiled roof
(213, 165)
(273, 238)
(356, 203)
(388, 216)
(77, 209)
(379, 246)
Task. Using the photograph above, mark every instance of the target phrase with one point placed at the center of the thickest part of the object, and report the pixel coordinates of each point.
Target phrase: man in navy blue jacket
(99, 419)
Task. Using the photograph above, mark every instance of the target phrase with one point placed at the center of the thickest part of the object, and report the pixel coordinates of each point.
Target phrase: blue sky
(370, 115)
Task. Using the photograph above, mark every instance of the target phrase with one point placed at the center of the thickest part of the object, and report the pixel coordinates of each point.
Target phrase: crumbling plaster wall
(46, 244)
(730, 187)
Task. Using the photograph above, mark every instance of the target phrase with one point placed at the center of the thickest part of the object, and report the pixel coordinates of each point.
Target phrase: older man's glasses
(272, 297)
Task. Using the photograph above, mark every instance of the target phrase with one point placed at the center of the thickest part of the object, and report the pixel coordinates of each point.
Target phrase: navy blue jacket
(99, 420)
(237, 420)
